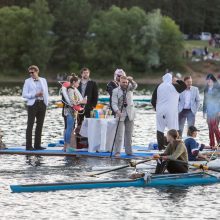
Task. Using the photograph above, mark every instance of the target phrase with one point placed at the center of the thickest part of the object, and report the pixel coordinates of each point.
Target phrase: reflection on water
(124, 203)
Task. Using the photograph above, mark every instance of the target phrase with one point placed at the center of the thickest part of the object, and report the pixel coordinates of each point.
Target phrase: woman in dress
(75, 98)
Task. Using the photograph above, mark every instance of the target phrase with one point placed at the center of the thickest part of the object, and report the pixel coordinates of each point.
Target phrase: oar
(196, 165)
(131, 164)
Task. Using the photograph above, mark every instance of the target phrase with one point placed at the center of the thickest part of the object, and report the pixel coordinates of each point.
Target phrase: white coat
(30, 90)
(167, 105)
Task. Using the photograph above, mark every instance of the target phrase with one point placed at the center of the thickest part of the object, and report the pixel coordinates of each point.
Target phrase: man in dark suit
(88, 88)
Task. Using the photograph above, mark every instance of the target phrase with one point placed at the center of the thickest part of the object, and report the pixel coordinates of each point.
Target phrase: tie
(124, 98)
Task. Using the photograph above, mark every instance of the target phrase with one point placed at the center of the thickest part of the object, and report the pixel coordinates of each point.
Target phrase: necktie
(124, 98)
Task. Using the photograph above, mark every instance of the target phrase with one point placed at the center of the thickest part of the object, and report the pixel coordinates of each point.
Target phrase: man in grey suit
(123, 106)
(189, 102)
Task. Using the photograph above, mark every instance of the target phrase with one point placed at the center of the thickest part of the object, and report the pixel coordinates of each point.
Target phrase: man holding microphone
(123, 106)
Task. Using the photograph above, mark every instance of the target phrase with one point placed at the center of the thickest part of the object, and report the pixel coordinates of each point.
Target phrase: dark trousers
(171, 166)
(186, 114)
(86, 114)
(37, 111)
(161, 140)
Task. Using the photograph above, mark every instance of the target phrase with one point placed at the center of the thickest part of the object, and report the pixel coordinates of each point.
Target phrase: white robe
(167, 105)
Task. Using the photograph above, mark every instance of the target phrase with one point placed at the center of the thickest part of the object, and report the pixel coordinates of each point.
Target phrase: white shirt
(187, 101)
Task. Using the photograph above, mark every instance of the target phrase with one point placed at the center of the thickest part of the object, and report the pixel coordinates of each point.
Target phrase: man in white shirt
(189, 102)
(35, 91)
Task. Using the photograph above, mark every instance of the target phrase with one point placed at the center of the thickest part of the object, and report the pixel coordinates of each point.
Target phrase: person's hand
(118, 113)
(174, 80)
(130, 79)
(164, 158)
(156, 156)
(84, 101)
(39, 94)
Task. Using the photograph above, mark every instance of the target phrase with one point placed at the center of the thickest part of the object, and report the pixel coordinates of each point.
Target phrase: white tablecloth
(100, 133)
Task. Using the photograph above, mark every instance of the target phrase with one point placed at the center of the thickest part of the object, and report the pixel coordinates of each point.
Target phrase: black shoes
(30, 148)
(40, 148)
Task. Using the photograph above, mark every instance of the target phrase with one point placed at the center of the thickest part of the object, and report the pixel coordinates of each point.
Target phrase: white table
(100, 133)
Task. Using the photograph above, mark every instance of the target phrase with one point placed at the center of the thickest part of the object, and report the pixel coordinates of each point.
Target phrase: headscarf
(167, 78)
(119, 72)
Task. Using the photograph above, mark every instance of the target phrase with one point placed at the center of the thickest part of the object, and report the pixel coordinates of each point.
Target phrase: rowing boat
(165, 180)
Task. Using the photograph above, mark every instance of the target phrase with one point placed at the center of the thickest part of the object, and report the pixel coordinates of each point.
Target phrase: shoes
(117, 154)
(30, 148)
(39, 148)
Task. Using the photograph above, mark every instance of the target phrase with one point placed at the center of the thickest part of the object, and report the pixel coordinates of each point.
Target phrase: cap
(211, 76)
(193, 128)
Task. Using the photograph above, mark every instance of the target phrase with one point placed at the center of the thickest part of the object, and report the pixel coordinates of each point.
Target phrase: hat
(193, 129)
(211, 76)
(119, 72)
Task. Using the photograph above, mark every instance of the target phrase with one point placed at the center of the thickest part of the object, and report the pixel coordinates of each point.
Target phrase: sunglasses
(31, 73)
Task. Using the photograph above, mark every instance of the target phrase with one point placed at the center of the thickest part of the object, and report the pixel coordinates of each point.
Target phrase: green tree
(112, 38)
(13, 36)
(25, 36)
(71, 26)
(132, 40)
(41, 37)
(171, 43)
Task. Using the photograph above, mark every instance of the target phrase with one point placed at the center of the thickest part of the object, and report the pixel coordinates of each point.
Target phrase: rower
(192, 146)
(175, 150)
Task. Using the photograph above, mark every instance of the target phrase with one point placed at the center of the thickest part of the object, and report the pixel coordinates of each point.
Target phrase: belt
(39, 100)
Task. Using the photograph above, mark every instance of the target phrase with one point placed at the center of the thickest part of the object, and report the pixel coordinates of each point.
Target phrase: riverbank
(198, 70)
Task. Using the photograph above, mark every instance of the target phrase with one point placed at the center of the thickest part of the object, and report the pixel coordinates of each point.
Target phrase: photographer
(123, 106)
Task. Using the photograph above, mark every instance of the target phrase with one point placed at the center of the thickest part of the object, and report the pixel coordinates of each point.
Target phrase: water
(199, 202)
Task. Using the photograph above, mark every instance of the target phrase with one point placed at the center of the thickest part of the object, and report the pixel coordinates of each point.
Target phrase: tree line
(101, 34)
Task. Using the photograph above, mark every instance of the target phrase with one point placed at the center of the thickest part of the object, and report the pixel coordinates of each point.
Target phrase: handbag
(77, 108)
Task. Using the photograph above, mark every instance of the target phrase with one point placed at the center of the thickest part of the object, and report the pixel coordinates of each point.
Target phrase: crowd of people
(175, 101)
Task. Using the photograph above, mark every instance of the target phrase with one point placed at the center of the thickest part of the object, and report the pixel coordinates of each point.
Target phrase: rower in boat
(192, 146)
(175, 150)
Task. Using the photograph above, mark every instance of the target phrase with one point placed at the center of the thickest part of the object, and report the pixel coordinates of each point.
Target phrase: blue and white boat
(165, 180)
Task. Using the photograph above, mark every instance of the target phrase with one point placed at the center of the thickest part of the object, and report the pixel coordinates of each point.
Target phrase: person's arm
(165, 153)
(194, 147)
(114, 103)
(65, 95)
(132, 84)
(154, 98)
(180, 86)
(95, 94)
(204, 104)
(26, 93)
(197, 99)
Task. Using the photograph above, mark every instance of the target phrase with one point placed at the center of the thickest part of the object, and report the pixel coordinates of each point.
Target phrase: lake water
(199, 202)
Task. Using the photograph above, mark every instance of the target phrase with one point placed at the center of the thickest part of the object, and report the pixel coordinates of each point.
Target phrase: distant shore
(198, 79)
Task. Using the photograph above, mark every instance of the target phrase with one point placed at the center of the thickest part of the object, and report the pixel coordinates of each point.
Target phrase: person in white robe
(165, 100)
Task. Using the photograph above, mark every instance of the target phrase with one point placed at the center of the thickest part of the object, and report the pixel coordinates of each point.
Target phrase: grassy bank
(197, 69)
